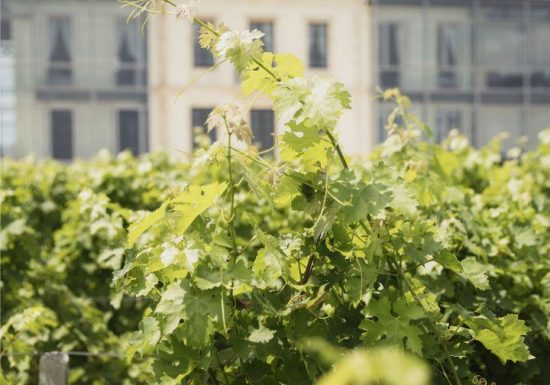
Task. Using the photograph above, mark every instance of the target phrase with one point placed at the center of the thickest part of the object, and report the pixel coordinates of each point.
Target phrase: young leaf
(193, 201)
(139, 227)
(475, 272)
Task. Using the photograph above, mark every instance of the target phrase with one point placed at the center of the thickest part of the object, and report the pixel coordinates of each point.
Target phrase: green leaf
(139, 227)
(386, 365)
(475, 272)
(193, 201)
(506, 338)
(449, 260)
(209, 277)
(201, 311)
(320, 101)
(240, 47)
(145, 339)
(261, 335)
(392, 329)
(370, 200)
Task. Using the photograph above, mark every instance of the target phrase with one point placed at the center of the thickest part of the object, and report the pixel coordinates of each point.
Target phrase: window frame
(139, 67)
(59, 65)
(389, 70)
(311, 25)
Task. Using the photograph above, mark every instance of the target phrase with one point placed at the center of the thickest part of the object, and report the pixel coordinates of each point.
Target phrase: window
(62, 134)
(389, 54)
(448, 41)
(318, 45)
(268, 38)
(130, 54)
(540, 54)
(5, 29)
(447, 120)
(59, 66)
(262, 122)
(198, 120)
(128, 131)
(202, 56)
(501, 54)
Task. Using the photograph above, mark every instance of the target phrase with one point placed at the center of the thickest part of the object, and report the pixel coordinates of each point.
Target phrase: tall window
(501, 54)
(268, 38)
(130, 54)
(201, 56)
(448, 40)
(447, 120)
(61, 122)
(540, 47)
(318, 45)
(198, 121)
(262, 122)
(59, 57)
(8, 131)
(128, 131)
(389, 54)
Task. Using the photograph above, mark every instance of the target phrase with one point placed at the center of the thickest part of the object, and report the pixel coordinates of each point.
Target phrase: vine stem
(336, 146)
(235, 251)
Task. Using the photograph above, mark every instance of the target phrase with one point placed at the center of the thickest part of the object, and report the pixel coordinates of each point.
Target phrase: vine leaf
(369, 200)
(139, 227)
(193, 201)
(261, 335)
(393, 329)
(386, 365)
(145, 339)
(504, 336)
(447, 259)
(198, 308)
(475, 272)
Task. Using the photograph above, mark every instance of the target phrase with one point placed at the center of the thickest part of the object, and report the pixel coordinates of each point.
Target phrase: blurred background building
(75, 77)
(480, 66)
(77, 72)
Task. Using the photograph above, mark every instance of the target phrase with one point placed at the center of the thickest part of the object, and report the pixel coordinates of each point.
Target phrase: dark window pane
(318, 45)
(389, 55)
(448, 36)
(388, 44)
(540, 79)
(202, 56)
(262, 122)
(502, 55)
(62, 134)
(5, 29)
(130, 54)
(198, 120)
(128, 131)
(268, 38)
(59, 69)
(504, 80)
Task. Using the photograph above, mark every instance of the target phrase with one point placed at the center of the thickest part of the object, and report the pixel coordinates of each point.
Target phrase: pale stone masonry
(290, 26)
